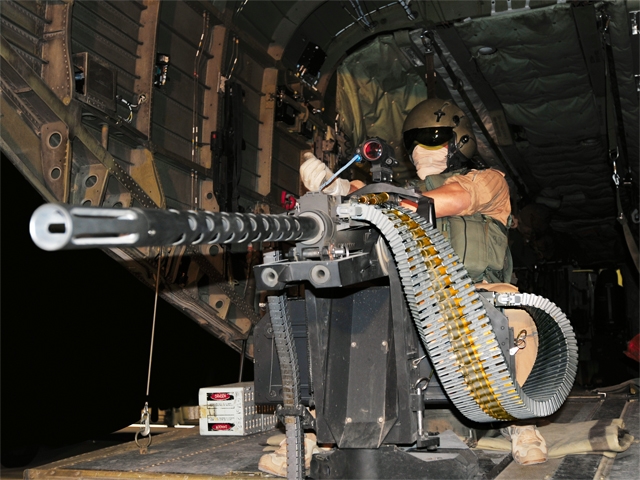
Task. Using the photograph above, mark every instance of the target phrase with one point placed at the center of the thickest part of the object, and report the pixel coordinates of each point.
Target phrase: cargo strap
(289, 369)
(615, 121)
(616, 137)
(456, 331)
(622, 219)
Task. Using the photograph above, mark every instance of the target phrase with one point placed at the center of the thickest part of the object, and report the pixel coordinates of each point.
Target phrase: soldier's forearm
(449, 200)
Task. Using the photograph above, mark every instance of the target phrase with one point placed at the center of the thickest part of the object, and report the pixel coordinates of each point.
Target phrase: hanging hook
(519, 342)
(613, 155)
(145, 430)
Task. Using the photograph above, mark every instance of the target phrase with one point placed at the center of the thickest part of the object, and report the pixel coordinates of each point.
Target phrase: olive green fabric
(543, 75)
(480, 241)
(540, 73)
(377, 88)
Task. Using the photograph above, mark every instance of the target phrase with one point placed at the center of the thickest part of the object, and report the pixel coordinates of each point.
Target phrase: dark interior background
(74, 370)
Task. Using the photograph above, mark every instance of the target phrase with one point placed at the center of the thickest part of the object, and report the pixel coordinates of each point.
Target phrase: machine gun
(386, 300)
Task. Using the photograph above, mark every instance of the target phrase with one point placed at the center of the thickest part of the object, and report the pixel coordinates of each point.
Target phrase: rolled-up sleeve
(489, 193)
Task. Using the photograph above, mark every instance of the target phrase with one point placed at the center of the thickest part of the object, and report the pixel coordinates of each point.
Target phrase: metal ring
(614, 153)
(320, 274)
(419, 381)
(138, 443)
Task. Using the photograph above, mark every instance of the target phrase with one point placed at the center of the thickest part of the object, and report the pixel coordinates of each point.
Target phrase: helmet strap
(455, 159)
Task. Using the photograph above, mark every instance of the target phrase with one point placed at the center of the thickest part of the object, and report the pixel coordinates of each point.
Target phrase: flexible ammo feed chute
(457, 333)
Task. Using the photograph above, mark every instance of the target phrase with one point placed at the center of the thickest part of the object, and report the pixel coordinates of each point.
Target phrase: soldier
(471, 201)
(473, 211)
(473, 208)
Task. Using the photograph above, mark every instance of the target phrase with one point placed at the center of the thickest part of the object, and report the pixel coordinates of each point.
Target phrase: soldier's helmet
(437, 122)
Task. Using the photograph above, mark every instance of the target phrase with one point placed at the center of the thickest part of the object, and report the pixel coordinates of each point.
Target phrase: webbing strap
(628, 236)
(430, 75)
(613, 95)
(615, 126)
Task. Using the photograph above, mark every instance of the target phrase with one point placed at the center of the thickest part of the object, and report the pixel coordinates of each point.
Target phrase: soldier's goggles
(427, 137)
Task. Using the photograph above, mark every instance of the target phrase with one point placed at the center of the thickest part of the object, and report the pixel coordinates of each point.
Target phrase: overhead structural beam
(298, 13)
(265, 130)
(57, 73)
(42, 90)
(145, 63)
(143, 168)
(487, 113)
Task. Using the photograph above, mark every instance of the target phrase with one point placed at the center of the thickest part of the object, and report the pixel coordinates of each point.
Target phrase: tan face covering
(430, 160)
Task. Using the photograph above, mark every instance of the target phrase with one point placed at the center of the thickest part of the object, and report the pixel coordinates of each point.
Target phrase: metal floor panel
(623, 466)
(184, 453)
(578, 410)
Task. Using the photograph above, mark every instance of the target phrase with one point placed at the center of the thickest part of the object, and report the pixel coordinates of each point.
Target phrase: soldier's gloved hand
(314, 173)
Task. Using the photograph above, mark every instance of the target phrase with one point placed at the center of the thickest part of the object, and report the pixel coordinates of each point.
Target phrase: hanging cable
(145, 429)
(616, 136)
(196, 67)
(234, 54)
(133, 107)
(153, 324)
(367, 13)
(360, 16)
(239, 9)
(405, 5)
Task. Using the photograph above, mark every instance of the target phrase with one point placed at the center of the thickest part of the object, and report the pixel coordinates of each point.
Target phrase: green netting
(376, 91)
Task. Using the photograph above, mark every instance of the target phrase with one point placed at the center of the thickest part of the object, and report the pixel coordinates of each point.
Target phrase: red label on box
(216, 427)
(219, 396)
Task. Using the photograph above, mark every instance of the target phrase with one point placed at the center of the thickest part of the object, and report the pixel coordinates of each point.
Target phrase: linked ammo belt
(456, 331)
(286, 350)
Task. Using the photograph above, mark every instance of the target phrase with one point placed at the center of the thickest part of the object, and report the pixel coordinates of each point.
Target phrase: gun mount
(383, 291)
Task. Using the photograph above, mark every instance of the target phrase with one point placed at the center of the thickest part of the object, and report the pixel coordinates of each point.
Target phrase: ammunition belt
(286, 350)
(457, 333)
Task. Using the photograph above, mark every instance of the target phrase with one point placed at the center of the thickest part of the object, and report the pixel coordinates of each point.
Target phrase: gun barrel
(65, 227)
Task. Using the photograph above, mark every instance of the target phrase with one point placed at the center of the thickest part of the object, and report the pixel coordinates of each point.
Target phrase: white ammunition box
(231, 410)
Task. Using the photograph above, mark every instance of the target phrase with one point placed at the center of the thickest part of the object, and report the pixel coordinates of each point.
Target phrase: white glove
(313, 173)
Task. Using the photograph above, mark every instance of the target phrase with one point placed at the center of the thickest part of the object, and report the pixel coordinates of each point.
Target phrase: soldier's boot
(276, 463)
(528, 446)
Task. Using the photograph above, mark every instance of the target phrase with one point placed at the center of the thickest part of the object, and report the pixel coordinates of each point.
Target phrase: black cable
(368, 15)
(464, 255)
(615, 94)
